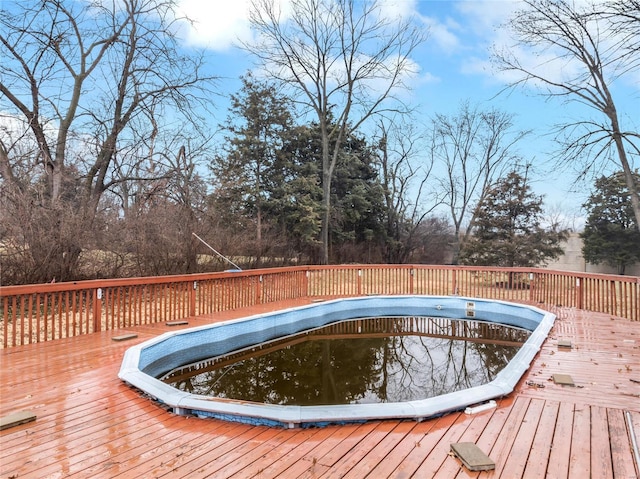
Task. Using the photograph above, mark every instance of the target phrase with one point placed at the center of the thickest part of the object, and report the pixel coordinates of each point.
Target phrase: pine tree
(258, 125)
(508, 229)
(611, 235)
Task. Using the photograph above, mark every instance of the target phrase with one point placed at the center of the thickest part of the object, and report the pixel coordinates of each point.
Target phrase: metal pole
(634, 443)
(219, 254)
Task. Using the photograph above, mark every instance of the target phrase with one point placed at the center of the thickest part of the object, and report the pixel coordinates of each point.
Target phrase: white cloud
(484, 21)
(487, 21)
(219, 25)
(486, 16)
(475, 65)
(428, 78)
(15, 131)
(397, 8)
(216, 25)
(442, 34)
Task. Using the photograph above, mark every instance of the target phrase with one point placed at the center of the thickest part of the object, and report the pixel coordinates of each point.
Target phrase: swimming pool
(143, 363)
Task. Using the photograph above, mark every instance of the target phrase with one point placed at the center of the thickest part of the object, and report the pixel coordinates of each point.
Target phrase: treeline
(109, 163)
(267, 187)
(257, 200)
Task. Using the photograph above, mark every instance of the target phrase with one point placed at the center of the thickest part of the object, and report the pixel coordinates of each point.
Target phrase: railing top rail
(140, 280)
(149, 280)
(581, 274)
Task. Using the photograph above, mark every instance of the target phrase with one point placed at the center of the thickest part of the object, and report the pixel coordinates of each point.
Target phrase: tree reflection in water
(374, 360)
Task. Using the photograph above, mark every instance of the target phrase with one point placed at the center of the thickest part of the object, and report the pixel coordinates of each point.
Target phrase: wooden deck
(90, 424)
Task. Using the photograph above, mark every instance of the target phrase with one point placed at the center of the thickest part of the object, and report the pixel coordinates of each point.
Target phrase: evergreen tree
(611, 235)
(344, 56)
(269, 184)
(356, 204)
(296, 193)
(508, 228)
(357, 217)
(258, 123)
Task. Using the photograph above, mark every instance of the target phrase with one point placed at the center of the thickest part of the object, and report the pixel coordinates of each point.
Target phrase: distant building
(572, 260)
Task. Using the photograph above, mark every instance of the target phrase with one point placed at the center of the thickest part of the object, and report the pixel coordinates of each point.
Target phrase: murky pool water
(373, 360)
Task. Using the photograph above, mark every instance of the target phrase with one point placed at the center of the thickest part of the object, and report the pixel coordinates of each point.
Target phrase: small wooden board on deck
(472, 456)
(564, 344)
(124, 337)
(176, 323)
(16, 418)
(563, 379)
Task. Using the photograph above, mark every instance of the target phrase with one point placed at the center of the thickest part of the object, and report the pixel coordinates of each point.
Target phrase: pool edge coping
(290, 416)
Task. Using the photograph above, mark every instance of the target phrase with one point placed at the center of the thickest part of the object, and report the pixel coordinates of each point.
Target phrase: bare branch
(476, 148)
(583, 48)
(89, 79)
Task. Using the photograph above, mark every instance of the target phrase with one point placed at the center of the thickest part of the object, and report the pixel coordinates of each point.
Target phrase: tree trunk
(326, 216)
(628, 177)
(327, 173)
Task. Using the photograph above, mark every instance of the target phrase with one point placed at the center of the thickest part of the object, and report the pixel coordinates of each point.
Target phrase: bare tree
(408, 200)
(343, 60)
(476, 148)
(89, 80)
(582, 50)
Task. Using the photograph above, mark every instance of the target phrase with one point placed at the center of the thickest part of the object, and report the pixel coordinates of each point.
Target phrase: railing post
(304, 287)
(454, 285)
(259, 290)
(305, 283)
(411, 274)
(579, 293)
(192, 299)
(532, 284)
(359, 282)
(635, 305)
(97, 310)
(613, 303)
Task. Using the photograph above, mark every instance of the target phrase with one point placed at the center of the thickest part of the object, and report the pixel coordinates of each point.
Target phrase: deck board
(503, 443)
(579, 462)
(377, 456)
(368, 449)
(90, 424)
(427, 437)
(538, 457)
(276, 462)
(471, 434)
(518, 456)
(561, 442)
(601, 460)
(623, 462)
(440, 452)
(403, 448)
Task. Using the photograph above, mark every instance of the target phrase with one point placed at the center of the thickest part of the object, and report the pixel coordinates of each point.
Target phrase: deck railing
(43, 312)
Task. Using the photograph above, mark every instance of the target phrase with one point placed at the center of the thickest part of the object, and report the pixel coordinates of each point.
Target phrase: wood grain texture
(90, 424)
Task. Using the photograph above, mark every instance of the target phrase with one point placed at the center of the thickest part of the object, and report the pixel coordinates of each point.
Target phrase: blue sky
(454, 66)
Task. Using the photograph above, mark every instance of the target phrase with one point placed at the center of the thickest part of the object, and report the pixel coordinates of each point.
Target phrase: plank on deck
(90, 424)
